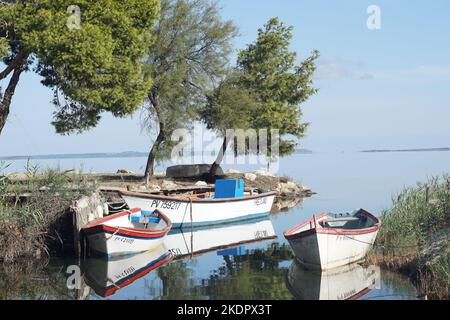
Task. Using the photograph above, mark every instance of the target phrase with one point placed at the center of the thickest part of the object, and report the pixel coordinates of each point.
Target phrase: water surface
(263, 268)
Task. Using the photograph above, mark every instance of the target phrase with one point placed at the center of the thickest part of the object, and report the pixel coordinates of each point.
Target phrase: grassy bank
(414, 236)
(33, 212)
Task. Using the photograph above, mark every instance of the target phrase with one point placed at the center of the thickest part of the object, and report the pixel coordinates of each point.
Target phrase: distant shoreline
(407, 150)
(137, 154)
(105, 155)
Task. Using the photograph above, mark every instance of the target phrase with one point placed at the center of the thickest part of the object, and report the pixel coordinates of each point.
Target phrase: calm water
(262, 268)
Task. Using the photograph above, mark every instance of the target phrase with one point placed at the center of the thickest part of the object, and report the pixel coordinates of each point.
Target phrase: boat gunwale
(98, 225)
(293, 234)
(189, 200)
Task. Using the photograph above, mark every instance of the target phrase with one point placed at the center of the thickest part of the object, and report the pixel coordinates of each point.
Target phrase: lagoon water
(263, 269)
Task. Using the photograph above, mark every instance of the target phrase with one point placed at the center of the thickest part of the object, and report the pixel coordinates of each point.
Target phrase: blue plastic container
(229, 188)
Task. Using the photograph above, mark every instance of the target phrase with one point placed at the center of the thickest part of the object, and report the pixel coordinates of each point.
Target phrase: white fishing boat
(224, 206)
(106, 277)
(197, 241)
(333, 240)
(129, 232)
(350, 282)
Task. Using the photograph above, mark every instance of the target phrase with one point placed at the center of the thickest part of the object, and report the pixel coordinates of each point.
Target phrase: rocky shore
(290, 193)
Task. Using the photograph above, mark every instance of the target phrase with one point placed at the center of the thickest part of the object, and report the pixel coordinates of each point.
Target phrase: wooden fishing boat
(201, 210)
(128, 232)
(106, 277)
(332, 240)
(349, 282)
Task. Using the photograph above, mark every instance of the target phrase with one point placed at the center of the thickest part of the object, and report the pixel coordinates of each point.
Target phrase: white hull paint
(203, 212)
(106, 277)
(348, 282)
(320, 248)
(116, 245)
(117, 235)
(186, 243)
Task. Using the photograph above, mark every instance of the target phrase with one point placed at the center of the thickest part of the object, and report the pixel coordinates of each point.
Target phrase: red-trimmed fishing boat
(128, 232)
(332, 240)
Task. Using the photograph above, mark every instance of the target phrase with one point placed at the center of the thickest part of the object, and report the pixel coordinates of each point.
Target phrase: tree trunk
(216, 164)
(7, 98)
(149, 170)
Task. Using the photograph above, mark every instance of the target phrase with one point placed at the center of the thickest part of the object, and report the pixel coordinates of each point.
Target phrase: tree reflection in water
(257, 274)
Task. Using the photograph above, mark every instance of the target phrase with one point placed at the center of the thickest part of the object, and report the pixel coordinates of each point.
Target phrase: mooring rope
(118, 229)
(117, 208)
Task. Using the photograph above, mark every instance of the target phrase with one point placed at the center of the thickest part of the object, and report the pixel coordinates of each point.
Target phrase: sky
(378, 89)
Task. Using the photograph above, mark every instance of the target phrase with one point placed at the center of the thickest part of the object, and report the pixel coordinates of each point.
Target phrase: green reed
(33, 210)
(414, 234)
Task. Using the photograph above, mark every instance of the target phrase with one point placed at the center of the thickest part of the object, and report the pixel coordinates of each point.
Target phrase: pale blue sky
(388, 88)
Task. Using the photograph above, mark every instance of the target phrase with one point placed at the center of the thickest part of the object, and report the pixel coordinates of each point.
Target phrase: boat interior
(347, 221)
(149, 221)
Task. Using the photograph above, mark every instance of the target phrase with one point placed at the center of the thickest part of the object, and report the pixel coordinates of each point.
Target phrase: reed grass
(414, 236)
(34, 218)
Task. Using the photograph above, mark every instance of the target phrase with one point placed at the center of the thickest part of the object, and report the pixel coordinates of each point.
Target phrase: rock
(159, 174)
(154, 188)
(201, 184)
(250, 176)
(168, 185)
(124, 171)
(289, 188)
(263, 173)
(233, 171)
(284, 180)
(142, 188)
(191, 171)
(292, 185)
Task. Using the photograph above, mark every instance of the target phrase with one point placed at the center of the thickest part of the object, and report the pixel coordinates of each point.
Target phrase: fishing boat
(106, 277)
(128, 232)
(349, 282)
(229, 203)
(332, 240)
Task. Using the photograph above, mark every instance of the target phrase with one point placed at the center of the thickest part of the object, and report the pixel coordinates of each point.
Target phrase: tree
(268, 71)
(229, 106)
(90, 55)
(190, 55)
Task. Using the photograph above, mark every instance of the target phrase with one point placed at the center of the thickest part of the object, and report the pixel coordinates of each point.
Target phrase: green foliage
(417, 213)
(3, 48)
(91, 69)
(230, 106)
(190, 54)
(415, 232)
(267, 73)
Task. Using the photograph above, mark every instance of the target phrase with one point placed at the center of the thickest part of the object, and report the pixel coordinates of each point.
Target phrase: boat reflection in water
(349, 282)
(106, 277)
(187, 242)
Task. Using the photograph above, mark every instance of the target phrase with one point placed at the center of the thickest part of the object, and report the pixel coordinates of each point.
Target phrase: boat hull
(327, 251)
(201, 213)
(110, 237)
(319, 248)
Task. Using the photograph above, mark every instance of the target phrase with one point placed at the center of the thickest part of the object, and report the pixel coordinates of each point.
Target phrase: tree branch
(18, 62)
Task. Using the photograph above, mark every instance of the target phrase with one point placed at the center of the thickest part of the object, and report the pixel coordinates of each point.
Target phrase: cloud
(335, 69)
(431, 71)
(331, 69)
